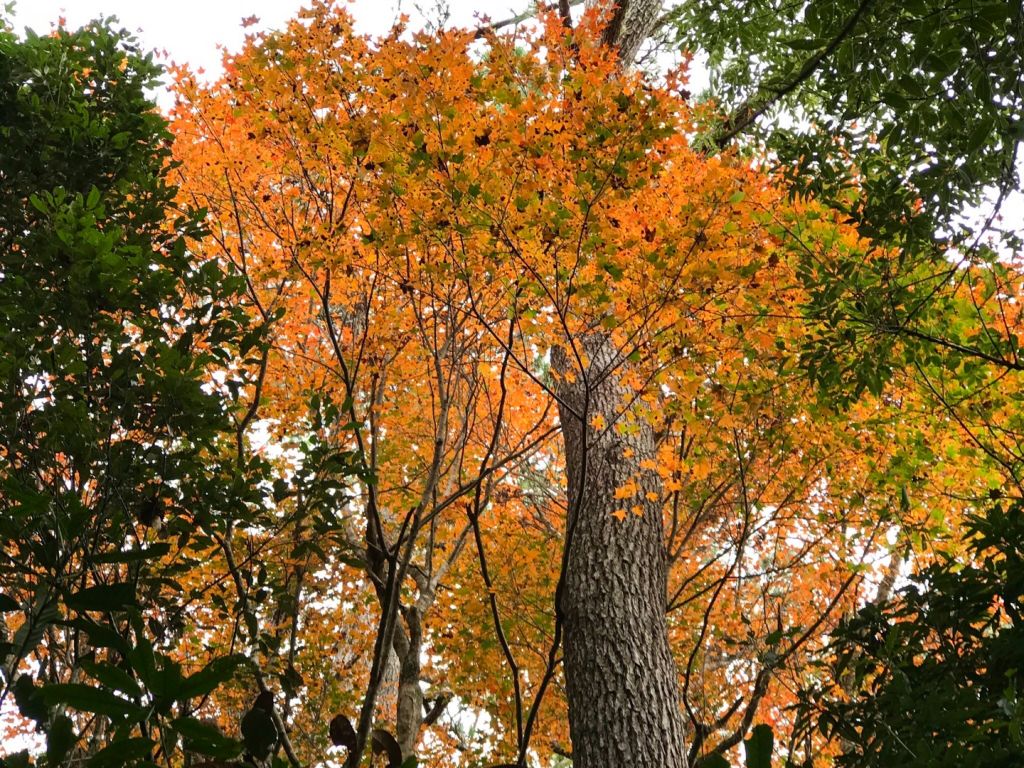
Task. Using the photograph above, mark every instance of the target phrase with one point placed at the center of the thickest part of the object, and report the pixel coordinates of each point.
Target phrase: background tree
(935, 673)
(918, 108)
(123, 359)
(906, 118)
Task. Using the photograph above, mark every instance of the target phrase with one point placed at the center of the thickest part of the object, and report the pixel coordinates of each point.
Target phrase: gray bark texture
(631, 22)
(621, 680)
(622, 684)
(409, 708)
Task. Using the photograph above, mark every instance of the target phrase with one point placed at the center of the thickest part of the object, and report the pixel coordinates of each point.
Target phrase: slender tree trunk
(409, 709)
(622, 685)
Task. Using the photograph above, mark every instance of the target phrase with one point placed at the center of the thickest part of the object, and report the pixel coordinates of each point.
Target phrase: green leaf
(112, 677)
(613, 269)
(38, 204)
(59, 739)
(29, 699)
(979, 135)
(209, 677)
(122, 751)
(103, 597)
(758, 748)
(85, 698)
(166, 682)
(153, 551)
(206, 739)
(30, 633)
(143, 661)
(804, 44)
(259, 734)
(99, 635)
(8, 603)
(715, 760)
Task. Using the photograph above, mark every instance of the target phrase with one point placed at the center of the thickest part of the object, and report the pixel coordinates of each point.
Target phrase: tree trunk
(409, 708)
(630, 23)
(622, 685)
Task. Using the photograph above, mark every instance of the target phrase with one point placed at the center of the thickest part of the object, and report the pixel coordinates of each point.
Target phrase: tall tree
(465, 246)
(621, 681)
(121, 351)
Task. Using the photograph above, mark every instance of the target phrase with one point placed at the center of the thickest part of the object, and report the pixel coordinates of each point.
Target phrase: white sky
(191, 30)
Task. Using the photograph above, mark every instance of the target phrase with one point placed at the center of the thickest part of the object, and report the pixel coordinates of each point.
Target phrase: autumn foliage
(433, 216)
(423, 222)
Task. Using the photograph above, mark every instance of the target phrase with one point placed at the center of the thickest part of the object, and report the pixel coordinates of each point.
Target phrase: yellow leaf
(627, 490)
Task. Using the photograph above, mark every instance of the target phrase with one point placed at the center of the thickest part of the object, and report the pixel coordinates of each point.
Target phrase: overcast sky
(191, 30)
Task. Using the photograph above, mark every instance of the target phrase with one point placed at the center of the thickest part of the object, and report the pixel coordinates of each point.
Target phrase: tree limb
(744, 115)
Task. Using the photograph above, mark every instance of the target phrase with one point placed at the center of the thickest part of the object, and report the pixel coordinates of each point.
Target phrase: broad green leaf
(259, 733)
(122, 752)
(29, 699)
(205, 738)
(103, 597)
(153, 551)
(99, 635)
(209, 677)
(758, 748)
(85, 698)
(112, 677)
(59, 739)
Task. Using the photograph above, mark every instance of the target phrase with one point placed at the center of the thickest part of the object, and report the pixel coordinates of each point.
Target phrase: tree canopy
(120, 352)
(468, 397)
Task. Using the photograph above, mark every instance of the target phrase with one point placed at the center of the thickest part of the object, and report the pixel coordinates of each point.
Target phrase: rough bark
(622, 685)
(621, 681)
(409, 709)
(630, 23)
(399, 690)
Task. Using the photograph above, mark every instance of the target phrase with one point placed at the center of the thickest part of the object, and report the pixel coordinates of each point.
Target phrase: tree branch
(562, 6)
(744, 115)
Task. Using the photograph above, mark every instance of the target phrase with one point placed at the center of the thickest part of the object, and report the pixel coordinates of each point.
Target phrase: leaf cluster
(932, 678)
(123, 359)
